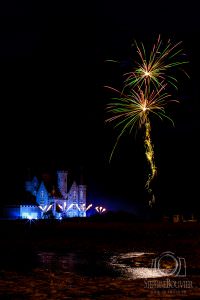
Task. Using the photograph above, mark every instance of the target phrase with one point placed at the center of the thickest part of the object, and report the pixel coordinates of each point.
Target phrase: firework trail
(132, 111)
(149, 153)
(144, 94)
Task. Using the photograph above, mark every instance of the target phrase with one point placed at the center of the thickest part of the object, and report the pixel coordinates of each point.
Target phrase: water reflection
(85, 275)
(58, 262)
(89, 264)
(130, 265)
(136, 265)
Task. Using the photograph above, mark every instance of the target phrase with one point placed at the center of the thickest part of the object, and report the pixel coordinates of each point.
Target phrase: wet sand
(72, 260)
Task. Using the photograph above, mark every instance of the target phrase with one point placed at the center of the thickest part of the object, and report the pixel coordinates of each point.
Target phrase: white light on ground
(120, 263)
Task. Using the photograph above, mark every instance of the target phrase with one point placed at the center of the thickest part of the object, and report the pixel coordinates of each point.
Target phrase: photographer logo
(168, 264)
(172, 269)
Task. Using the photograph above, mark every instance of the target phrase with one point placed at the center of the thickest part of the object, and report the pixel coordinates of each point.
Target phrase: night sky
(53, 70)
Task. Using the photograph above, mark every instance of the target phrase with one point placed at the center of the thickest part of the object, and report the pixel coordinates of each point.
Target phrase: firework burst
(153, 68)
(133, 110)
(144, 94)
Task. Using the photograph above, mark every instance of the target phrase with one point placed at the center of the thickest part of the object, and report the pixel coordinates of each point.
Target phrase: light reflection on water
(86, 275)
(130, 265)
(53, 261)
(131, 268)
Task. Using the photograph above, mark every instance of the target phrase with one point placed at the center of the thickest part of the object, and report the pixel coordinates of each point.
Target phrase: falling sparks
(153, 68)
(149, 153)
(130, 111)
(143, 95)
(133, 110)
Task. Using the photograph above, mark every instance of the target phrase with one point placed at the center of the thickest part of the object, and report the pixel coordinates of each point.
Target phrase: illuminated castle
(56, 202)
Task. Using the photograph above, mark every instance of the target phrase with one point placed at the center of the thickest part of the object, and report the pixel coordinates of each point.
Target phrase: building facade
(56, 201)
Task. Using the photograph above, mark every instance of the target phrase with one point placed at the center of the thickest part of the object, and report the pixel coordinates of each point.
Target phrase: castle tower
(82, 190)
(35, 185)
(42, 197)
(28, 186)
(82, 194)
(28, 182)
(82, 200)
(62, 183)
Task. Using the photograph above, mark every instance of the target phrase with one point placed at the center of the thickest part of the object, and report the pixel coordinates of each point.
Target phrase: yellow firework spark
(153, 68)
(144, 94)
(149, 153)
(133, 110)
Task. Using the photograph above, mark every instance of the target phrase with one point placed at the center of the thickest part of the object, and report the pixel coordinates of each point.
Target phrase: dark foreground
(88, 259)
